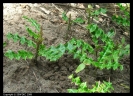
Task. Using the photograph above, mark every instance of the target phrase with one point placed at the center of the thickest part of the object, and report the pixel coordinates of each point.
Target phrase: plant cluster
(94, 13)
(123, 19)
(82, 86)
(107, 53)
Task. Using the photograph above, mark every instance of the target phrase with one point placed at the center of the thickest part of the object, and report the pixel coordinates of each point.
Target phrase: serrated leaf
(9, 54)
(93, 28)
(83, 57)
(30, 43)
(95, 40)
(77, 55)
(103, 38)
(15, 37)
(17, 56)
(29, 55)
(33, 22)
(97, 34)
(31, 33)
(116, 56)
(79, 43)
(61, 48)
(80, 67)
(70, 47)
(116, 65)
(22, 40)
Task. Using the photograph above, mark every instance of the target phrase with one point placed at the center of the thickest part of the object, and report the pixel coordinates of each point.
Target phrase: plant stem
(38, 42)
(69, 26)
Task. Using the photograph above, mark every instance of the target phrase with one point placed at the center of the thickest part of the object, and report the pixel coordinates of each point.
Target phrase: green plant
(82, 86)
(4, 44)
(107, 55)
(77, 20)
(94, 13)
(37, 40)
(123, 19)
(70, 22)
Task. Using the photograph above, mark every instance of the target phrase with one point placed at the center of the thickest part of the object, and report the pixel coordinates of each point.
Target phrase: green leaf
(30, 43)
(31, 33)
(22, 40)
(30, 55)
(123, 41)
(61, 48)
(104, 37)
(83, 85)
(95, 40)
(15, 37)
(93, 27)
(127, 46)
(4, 44)
(77, 80)
(9, 35)
(111, 33)
(77, 54)
(116, 65)
(79, 43)
(116, 56)
(9, 54)
(98, 33)
(17, 56)
(80, 67)
(33, 22)
(70, 47)
(64, 17)
(96, 12)
(83, 57)
(103, 10)
(79, 20)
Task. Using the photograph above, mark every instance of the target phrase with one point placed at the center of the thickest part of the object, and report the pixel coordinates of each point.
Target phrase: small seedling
(104, 87)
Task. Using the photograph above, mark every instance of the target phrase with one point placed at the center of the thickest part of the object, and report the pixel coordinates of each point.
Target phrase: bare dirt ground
(52, 77)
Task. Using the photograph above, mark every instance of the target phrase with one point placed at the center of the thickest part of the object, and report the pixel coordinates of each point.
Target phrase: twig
(35, 76)
(57, 8)
(56, 90)
(37, 80)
